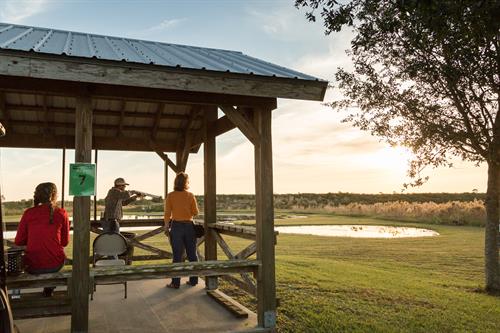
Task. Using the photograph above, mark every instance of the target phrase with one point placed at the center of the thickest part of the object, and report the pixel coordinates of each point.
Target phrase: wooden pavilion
(62, 89)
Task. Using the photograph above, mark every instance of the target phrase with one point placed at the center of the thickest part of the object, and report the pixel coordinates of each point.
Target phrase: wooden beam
(244, 124)
(210, 191)
(119, 132)
(5, 112)
(169, 162)
(201, 268)
(17, 140)
(185, 138)
(55, 67)
(235, 308)
(157, 120)
(96, 112)
(240, 284)
(218, 127)
(135, 94)
(266, 279)
(81, 221)
(33, 123)
(46, 115)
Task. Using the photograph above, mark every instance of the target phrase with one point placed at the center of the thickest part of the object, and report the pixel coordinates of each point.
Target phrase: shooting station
(67, 90)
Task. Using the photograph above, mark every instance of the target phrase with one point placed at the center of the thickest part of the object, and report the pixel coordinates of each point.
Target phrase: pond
(357, 231)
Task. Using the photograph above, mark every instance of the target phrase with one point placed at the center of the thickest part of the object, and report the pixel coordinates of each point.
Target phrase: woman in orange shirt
(181, 207)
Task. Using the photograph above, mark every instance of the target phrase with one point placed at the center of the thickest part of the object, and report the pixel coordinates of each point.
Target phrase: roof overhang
(95, 71)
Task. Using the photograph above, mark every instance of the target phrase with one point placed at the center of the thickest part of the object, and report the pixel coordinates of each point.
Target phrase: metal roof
(77, 44)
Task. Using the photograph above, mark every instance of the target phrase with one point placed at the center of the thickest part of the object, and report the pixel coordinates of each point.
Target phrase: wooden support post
(266, 284)
(165, 190)
(95, 195)
(63, 176)
(210, 203)
(81, 221)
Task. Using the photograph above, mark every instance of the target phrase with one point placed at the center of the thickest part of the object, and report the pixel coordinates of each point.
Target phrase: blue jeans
(182, 237)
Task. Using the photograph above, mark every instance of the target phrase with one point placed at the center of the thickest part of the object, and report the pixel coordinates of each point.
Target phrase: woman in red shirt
(44, 230)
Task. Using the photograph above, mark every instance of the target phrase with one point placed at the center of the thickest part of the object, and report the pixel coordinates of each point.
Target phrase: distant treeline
(286, 201)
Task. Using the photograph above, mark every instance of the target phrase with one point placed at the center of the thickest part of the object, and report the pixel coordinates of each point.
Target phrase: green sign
(82, 179)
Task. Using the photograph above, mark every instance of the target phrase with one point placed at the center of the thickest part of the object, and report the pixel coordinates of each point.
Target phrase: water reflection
(357, 231)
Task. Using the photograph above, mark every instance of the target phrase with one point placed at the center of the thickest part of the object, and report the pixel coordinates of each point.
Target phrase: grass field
(331, 284)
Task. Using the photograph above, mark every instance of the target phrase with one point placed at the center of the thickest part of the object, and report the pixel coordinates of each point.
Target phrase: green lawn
(332, 284)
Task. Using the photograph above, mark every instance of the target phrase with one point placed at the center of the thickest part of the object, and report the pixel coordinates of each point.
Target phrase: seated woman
(44, 229)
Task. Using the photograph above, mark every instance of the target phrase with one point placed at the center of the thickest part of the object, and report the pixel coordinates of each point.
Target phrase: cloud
(165, 25)
(19, 10)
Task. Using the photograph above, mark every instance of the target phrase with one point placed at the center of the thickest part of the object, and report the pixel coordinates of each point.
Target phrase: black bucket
(15, 261)
(130, 246)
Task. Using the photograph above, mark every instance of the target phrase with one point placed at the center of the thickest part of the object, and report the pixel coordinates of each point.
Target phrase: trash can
(130, 246)
(15, 261)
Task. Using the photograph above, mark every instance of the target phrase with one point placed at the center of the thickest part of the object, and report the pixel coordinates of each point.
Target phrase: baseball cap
(120, 181)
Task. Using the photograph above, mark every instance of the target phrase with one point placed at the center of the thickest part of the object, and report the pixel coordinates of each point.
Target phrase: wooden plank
(168, 161)
(247, 252)
(244, 125)
(59, 124)
(232, 307)
(223, 245)
(26, 280)
(5, 113)
(97, 112)
(136, 94)
(16, 140)
(160, 271)
(157, 120)
(266, 280)
(149, 76)
(36, 299)
(150, 234)
(119, 132)
(251, 289)
(150, 248)
(81, 221)
(218, 127)
(210, 190)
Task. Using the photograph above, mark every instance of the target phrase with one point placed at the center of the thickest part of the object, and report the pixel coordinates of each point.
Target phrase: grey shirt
(113, 203)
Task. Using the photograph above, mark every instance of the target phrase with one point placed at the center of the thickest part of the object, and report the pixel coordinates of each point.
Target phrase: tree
(426, 76)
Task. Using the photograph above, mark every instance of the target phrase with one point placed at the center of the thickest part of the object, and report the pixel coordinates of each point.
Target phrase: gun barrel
(145, 194)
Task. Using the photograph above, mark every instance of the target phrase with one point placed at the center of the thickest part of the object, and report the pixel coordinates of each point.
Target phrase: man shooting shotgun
(116, 198)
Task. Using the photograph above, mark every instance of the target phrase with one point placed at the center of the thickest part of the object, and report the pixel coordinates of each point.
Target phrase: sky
(313, 151)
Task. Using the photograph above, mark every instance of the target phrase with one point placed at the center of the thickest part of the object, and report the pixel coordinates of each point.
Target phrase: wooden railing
(242, 279)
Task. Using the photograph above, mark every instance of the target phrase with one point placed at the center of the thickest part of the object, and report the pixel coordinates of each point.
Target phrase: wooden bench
(32, 305)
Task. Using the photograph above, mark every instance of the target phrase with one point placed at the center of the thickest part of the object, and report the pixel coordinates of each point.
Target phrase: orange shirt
(180, 206)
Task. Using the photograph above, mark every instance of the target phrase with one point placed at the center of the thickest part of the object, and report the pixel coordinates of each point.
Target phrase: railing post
(264, 214)
(81, 221)
(210, 204)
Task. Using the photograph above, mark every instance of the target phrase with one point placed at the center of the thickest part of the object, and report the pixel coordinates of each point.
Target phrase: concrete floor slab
(150, 307)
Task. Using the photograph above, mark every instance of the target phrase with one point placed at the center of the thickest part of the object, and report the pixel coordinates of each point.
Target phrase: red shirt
(45, 242)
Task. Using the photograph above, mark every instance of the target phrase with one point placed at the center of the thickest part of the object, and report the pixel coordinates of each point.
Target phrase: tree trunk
(491, 239)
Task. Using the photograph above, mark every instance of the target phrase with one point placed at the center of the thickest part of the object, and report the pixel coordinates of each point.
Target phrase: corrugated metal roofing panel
(59, 42)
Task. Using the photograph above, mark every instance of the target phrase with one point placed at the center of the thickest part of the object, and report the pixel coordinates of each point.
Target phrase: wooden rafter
(5, 112)
(165, 158)
(185, 139)
(33, 123)
(239, 119)
(119, 132)
(46, 114)
(157, 120)
(97, 112)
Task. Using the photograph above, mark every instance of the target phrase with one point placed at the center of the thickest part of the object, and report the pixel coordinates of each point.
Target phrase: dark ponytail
(46, 193)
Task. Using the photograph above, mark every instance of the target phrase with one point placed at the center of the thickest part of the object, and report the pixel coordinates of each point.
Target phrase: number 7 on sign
(83, 179)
